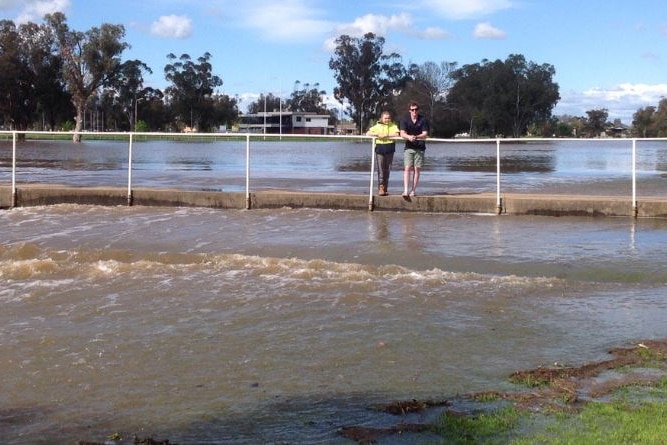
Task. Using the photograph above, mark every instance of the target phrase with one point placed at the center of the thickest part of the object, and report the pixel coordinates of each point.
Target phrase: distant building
(346, 128)
(621, 131)
(285, 122)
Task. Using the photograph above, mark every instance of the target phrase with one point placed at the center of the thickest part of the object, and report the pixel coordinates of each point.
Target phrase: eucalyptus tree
(129, 88)
(659, 120)
(307, 98)
(596, 123)
(153, 111)
(651, 121)
(367, 78)
(190, 94)
(504, 97)
(54, 103)
(90, 60)
(225, 110)
(265, 102)
(31, 84)
(16, 79)
(642, 121)
(431, 83)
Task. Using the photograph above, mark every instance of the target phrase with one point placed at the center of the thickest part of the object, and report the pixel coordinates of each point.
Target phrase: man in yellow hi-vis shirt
(385, 147)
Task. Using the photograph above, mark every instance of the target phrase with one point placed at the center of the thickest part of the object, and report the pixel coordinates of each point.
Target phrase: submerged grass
(486, 427)
(618, 401)
(617, 422)
(609, 423)
(631, 415)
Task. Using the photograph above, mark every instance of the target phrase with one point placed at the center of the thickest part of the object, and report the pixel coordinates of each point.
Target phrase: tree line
(55, 78)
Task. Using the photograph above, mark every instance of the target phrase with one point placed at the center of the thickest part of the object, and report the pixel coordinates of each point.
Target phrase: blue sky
(607, 54)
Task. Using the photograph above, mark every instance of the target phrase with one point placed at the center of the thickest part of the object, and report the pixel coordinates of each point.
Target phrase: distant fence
(248, 138)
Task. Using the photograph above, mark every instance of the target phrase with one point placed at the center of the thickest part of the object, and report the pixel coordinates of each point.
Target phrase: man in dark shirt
(414, 129)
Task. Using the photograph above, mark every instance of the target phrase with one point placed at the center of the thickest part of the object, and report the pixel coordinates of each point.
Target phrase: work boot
(382, 191)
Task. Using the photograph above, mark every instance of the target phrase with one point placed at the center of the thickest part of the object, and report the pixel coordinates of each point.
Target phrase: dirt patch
(136, 441)
(365, 435)
(558, 388)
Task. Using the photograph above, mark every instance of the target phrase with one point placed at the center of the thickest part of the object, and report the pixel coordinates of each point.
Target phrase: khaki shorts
(413, 158)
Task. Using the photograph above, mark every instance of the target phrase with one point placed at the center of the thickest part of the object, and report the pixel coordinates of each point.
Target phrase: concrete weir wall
(511, 204)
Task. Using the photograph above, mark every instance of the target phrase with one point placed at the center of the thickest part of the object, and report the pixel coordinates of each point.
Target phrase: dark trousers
(384, 161)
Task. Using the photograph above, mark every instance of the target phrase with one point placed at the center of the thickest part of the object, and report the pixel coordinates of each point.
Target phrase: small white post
(129, 172)
(499, 206)
(370, 192)
(247, 170)
(635, 210)
(14, 193)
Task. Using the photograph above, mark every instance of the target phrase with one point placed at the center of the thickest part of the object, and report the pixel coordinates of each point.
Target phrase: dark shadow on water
(510, 164)
(303, 420)
(482, 164)
(356, 165)
(190, 165)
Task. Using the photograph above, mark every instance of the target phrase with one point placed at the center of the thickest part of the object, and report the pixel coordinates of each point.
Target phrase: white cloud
(466, 9)
(432, 33)
(172, 26)
(36, 10)
(639, 92)
(382, 25)
(291, 20)
(377, 24)
(487, 31)
(245, 99)
(621, 101)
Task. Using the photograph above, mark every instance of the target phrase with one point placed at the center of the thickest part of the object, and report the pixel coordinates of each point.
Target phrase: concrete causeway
(483, 203)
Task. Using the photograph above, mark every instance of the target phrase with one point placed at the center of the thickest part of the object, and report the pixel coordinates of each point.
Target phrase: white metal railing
(129, 171)
(249, 136)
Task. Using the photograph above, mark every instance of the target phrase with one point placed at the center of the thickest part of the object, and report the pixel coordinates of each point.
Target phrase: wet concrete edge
(483, 203)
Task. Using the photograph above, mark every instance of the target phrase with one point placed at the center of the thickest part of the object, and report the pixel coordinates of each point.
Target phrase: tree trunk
(76, 138)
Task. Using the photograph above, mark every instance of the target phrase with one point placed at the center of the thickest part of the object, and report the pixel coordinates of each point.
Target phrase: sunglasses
(414, 109)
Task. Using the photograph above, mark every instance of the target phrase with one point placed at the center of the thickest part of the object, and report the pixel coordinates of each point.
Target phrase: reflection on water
(190, 164)
(354, 165)
(528, 164)
(509, 164)
(660, 162)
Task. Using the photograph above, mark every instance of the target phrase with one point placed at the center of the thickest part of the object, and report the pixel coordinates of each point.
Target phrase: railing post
(499, 204)
(371, 204)
(14, 192)
(635, 210)
(130, 198)
(247, 171)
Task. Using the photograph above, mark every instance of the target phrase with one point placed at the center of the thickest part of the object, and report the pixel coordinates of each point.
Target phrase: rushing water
(282, 326)
(208, 326)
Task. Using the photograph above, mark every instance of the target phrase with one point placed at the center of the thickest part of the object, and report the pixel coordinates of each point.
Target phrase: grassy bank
(620, 421)
(618, 401)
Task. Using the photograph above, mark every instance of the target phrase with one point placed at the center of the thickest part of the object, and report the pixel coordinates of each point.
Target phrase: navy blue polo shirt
(415, 129)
